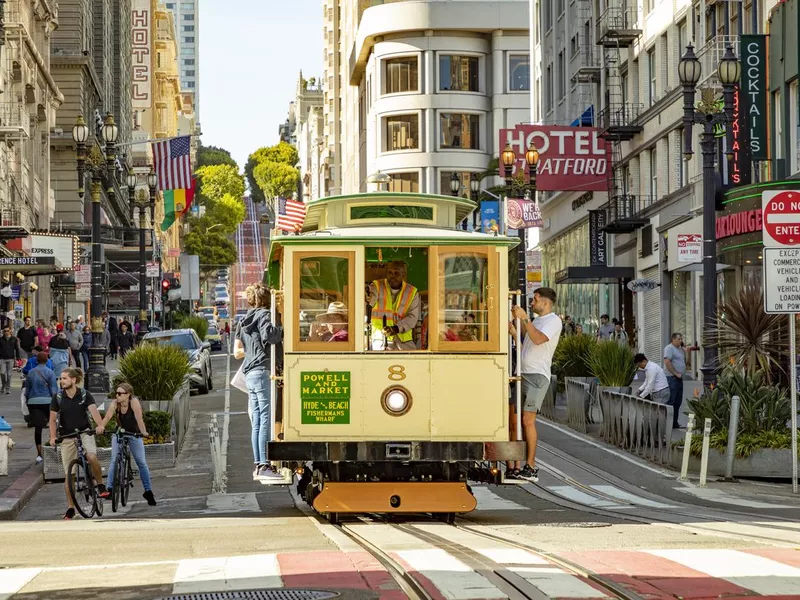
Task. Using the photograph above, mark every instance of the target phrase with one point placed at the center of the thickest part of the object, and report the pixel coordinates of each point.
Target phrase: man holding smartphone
(675, 368)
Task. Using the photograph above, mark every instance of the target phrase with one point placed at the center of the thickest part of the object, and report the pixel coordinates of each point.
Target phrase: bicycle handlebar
(121, 431)
(74, 434)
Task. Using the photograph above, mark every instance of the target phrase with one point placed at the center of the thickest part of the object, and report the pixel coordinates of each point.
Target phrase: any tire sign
(781, 219)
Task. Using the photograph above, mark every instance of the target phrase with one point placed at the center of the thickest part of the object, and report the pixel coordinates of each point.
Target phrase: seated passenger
(395, 309)
(332, 325)
(459, 332)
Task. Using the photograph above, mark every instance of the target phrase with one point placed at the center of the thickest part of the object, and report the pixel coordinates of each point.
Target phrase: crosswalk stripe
(555, 583)
(761, 575)
(615, 492)
(723, 497)
(451, 577)
(13, 580)
(488, 500)
(226, 574)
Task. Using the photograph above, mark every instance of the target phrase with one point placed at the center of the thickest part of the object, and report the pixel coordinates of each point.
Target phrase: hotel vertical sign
(142, 63)
(754, 92)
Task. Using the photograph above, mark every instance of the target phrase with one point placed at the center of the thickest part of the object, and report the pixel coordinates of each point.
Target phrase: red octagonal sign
(781, 218)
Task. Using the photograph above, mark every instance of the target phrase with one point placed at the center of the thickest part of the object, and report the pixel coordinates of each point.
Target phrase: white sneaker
(267, 474)
(39, 460)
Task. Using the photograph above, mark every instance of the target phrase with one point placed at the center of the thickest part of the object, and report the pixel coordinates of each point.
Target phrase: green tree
(212, 155)
(276, 179)
(279, 153)
(227, 212)
(214, 249)
(218, 180)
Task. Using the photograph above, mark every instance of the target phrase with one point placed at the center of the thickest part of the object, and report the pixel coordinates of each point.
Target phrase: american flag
(291, 214)
(173, 164)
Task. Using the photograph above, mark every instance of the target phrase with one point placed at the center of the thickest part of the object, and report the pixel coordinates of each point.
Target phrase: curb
(14, 499)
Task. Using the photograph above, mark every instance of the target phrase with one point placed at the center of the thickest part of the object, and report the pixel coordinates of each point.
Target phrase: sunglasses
(122, 393)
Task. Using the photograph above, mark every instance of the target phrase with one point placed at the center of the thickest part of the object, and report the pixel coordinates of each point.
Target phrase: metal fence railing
(642, 427)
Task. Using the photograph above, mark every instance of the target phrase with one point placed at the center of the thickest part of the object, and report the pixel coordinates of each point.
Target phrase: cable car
(395, 380)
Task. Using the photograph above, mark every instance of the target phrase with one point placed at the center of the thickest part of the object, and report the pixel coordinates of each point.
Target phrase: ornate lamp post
(508, 157)
(475, 190)
(708, 115)
(532, 159)
(102, 168)
(455, 184)
(141, 200)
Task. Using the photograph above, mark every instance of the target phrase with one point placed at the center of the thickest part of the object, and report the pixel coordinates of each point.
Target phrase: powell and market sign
(754, 92)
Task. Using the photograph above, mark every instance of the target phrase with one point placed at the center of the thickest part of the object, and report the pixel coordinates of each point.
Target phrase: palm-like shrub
(155, 372)
(747, 337)
(612, 364)
(199, 324)
(571, 358)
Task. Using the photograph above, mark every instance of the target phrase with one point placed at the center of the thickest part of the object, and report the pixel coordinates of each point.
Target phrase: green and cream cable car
(395, 378)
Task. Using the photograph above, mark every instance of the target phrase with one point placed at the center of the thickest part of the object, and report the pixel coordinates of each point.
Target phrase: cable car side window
(466, 319)
(324, 301)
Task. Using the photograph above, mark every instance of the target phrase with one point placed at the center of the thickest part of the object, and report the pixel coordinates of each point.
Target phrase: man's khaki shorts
(69, 449)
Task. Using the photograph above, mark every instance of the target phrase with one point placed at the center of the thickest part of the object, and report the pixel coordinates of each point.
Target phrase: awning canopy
(598, 274)
(32, 265)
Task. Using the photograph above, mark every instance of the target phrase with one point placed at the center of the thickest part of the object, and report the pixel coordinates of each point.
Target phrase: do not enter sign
(781, 219)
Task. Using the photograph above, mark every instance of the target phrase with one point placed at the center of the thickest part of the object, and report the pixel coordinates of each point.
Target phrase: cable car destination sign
(325, 397)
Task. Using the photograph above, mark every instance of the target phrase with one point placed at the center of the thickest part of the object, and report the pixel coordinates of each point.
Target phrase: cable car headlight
(396, 401)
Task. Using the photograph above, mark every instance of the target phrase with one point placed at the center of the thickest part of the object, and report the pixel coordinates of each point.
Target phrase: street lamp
(101, 165)
(532, 159)
(708, 115)
(152, 183)
(140, 200)
(508, 157)
(455, 184)
(475, 191)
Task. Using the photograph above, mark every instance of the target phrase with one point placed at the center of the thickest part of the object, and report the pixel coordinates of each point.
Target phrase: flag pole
(151, 140)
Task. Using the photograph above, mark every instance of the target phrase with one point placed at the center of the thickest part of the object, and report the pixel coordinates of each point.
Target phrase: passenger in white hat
(331, 326)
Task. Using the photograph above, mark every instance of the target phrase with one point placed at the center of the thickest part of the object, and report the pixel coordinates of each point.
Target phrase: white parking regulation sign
(782, 280)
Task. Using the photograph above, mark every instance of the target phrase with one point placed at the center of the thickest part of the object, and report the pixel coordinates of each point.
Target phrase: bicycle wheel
(78, 487)
(125, 480)
(115, 485)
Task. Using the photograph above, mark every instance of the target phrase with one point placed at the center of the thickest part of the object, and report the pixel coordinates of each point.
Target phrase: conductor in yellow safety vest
(398, 301)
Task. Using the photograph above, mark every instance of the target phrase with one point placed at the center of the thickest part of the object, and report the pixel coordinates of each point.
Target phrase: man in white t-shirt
(540, 341)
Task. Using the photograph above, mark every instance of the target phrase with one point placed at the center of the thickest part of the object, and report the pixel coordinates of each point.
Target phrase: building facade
(186, 16)
(425, 89)
(302, 129)
(29, 99)
(618, 64)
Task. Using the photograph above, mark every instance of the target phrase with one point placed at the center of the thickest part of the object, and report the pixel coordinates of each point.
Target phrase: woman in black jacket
(125, 340)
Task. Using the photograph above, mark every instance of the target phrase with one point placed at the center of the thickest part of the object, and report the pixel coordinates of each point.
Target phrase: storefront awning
(595, 274)
(31, 265)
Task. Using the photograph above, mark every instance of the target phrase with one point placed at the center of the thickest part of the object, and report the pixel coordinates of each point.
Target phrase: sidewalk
(24, 476)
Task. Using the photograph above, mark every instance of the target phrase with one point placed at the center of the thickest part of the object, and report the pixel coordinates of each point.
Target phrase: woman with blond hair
(254, 336)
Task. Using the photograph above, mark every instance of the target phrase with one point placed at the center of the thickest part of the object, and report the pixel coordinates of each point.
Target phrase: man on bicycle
(69, 410)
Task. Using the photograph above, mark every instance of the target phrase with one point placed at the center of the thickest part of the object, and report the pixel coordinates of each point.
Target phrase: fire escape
(617, 30)
(586, 71)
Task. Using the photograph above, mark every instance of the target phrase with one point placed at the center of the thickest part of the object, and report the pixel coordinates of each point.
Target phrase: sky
(251, 52)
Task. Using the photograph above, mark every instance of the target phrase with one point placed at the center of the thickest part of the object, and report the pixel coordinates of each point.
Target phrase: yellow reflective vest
(393, 313)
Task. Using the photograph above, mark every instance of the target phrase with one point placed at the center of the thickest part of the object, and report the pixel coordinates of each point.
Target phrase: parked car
(213, 337)
(199, 354)
(223, 313)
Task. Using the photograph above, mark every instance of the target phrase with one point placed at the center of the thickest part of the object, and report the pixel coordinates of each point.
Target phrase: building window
(649, 5)
(401, 75)
(560, 7)
(402, 132)
(188, 73)
(444, 183)
(574, 44)
(188, 28)
(548, 89)
(459, 73)
(653, 174)
(190, 84)
(547, 17)
(562, 80)
(170, 6)
(683, 164)
(187, 5)
(519, 72)
(189, 17)
(651, 75)
(188, 40)
(459, 131)
(187, 51)
(404, 182)
(778, 123)
(188, 62)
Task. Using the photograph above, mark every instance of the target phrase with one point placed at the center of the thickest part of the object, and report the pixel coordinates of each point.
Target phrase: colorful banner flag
(291, 214)
(169, 209)
(522, 214)
(173, 163)
(189, 197)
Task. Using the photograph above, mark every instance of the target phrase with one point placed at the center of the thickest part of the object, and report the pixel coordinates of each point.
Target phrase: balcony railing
(586, 64)
(710, 56)
(14, 119)
(16, 217)
(620, 121)
(18, 13)
(619, 24)
(624, 213)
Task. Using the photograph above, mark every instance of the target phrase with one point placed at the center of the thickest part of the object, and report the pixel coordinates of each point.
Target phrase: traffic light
(164, 291)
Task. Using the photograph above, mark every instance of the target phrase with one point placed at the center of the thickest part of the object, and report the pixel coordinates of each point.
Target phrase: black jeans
(675, 397)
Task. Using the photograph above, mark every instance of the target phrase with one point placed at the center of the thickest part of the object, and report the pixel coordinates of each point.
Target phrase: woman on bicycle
(129, 417)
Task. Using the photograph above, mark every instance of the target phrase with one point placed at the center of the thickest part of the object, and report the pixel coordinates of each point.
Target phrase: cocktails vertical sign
(754, 92)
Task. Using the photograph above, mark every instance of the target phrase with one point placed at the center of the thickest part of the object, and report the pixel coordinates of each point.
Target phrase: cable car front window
(464, 284)
(324, 301)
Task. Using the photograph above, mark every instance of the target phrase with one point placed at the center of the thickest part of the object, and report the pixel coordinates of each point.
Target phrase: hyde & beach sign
(325, 397)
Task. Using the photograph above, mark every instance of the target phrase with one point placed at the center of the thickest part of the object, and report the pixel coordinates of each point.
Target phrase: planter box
(158, 456)
(767, 463)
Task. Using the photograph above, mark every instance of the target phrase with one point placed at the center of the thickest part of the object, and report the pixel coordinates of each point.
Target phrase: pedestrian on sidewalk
(129, 417)
(27, 338)
(42, 335)
(606, 328)
(620, 335)
(88, 340)
(655, 382)
(125, 340)
(69, 411)
(540, 341)
(255, 335)
(40, 387)
(60, 353)
(9, 353)
(675, 368)
(75, 339)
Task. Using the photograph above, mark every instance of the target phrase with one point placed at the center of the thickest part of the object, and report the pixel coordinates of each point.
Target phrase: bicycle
(80, 481)
(123, 473)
